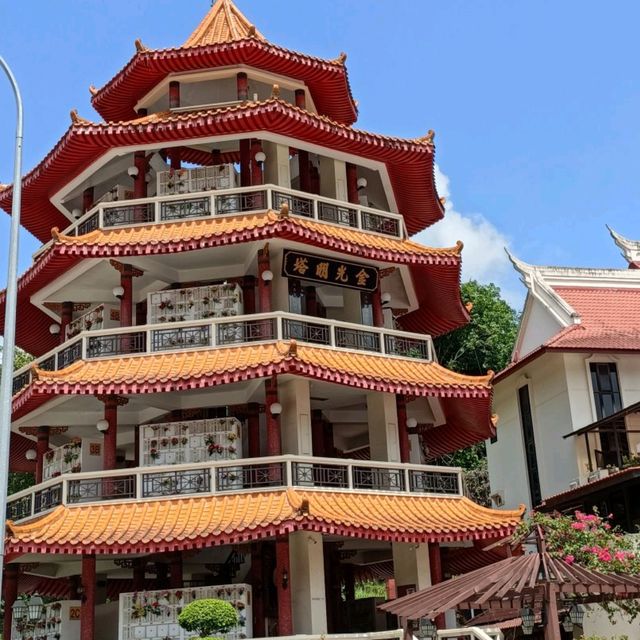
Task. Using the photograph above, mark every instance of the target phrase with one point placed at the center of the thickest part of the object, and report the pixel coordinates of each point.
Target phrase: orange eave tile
(190, 523)
(190, 234)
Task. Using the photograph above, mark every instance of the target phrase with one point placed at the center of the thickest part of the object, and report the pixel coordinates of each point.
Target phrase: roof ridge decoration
(533, 278)
(630, 249)
(223, 23)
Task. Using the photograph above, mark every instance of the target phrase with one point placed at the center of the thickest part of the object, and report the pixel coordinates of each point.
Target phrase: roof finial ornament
(341, 59)
(430, 137)
(275, 91)
(140, 48)
(75, 118)
(284, 210)
(92, 90)
(252, 31)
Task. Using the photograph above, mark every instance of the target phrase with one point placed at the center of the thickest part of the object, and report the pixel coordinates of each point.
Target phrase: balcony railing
(224, 332)
(245, 474)
(245, 200)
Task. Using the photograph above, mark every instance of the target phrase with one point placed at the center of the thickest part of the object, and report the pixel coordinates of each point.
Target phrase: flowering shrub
(592, 542)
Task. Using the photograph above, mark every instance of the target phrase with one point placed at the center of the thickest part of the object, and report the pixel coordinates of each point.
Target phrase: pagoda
(235, 392)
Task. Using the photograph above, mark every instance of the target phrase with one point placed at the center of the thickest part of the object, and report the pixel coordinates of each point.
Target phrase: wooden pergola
(537, 580)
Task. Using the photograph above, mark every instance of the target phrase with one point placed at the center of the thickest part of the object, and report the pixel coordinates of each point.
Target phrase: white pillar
(295, 420)
(383, 427)
(415, 455)
(276, 167)
(341, 180)
(411, 565)
(308, 598)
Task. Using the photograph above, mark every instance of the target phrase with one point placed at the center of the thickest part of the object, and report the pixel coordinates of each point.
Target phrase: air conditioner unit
(498, 498)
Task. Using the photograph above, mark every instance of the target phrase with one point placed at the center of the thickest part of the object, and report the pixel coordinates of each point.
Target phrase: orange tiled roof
(224, 23)
(247, 227)
(187, 523)
(196, 369)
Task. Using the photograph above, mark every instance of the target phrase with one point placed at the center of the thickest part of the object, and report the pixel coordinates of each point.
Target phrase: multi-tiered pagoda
(235, 392)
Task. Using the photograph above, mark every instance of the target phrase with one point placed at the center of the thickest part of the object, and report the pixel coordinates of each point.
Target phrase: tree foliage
(486, 342)
(208, 616)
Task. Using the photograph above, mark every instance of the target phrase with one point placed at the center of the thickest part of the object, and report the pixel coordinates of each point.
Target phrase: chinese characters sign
(336, 272)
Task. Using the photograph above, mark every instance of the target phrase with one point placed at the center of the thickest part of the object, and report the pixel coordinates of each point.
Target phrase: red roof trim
(328, 81)
(409, 162)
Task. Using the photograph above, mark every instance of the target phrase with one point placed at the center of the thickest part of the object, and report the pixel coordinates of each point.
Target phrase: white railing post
(101, 218)
(359, 217)
(156, 211)
(289, 472)
(212, 205)
(65, 490)
(407, 480)
(279, 327)
(213, 479)
(139, 484)
(350, 476)
(84, 347)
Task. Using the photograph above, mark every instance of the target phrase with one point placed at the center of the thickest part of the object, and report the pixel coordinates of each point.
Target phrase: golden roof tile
(224, 23)
(180, 523)
(269, 222)
(150, 372)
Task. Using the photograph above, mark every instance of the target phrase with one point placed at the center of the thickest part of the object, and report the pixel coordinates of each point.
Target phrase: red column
(352, 183)
(42, 447)
(242, 86)
(257, 569)
(301, 99)
(248, 285)
(317, 433)
(378, 315)
(283, 586)
(175, 159)
(87, 199)
(174, 94)
(311, 300)
(10, 596)
(88, 609)
(176, 578)
(274, 444)
(253, 425)
(216, 157)
(403, 434)
(256, 167)
(66, 316)
(264, 286)
(327, 435)
(245, 163)
(140, 181)
(435, 566)
(126, 302)
(304, 170)
(111, 434)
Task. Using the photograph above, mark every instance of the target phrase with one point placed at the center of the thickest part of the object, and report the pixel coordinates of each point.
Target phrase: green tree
(486, 342)
(208, 616)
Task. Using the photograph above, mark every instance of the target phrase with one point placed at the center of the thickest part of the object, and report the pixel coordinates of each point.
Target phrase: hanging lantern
(427, 628)
(567, 625)
(528, 620)
(576, 614)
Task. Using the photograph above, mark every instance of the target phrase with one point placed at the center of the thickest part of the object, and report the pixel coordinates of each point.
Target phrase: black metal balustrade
(46, 499)
(69, 355)
(128, 214)
(241, 202)
(20, 508)
(319, 475)
(49, 364)
(337, 215)
(251, 476)
(174, 483)
(306, 331)
(378, 479)
(245, 331)
(106, 488)
(116, 344)
(180, 338)
(90, 224)
(444, 482)
(380, 224)
(297, 205)
(406, 347)
(21, 380)
(181, 209)
(357, 339)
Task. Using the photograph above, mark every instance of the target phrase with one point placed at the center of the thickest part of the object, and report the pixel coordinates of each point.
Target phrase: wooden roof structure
(532, 580)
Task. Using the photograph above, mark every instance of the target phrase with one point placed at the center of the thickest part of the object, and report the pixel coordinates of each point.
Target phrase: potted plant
(208, 617)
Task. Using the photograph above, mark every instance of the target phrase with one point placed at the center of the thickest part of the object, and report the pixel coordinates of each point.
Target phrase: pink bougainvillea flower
(569, 559)
(579, 526)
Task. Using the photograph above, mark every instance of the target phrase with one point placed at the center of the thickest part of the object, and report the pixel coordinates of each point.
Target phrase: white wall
(538, 325)
(551, 413)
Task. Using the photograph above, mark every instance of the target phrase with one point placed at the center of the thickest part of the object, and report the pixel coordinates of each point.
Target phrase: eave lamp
(276, 409)
(118, 292)
(576, 614)
(31, 454)
(260, 158)
(427, 628)
(267, 276)
(528, 620)
(102, 425)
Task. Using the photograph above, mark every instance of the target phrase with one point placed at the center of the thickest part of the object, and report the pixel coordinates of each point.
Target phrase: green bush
(208, 617)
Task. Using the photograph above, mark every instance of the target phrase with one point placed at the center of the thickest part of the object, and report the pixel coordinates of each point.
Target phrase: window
(606, 395)
(526, 419)
(366, 305)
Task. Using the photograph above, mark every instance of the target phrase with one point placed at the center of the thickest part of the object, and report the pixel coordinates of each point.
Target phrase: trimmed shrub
(208, 616)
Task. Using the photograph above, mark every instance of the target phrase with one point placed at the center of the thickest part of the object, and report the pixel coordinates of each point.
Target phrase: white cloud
(483, 256)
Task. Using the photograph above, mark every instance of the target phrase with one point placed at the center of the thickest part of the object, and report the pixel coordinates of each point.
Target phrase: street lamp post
(9, 344)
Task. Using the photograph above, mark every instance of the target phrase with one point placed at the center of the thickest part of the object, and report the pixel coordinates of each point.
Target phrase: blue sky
(535, 104)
